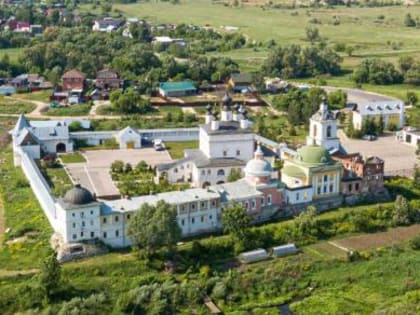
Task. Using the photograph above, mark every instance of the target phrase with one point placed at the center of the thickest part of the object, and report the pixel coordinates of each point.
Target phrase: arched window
(220, 172)
(314, 131)
(329, 132)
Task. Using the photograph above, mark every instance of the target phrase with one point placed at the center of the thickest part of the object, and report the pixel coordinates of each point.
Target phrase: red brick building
(361, 175)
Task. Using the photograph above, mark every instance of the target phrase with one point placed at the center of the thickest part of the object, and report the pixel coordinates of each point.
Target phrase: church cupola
(226, 110)
(258, 170)
(209, 114)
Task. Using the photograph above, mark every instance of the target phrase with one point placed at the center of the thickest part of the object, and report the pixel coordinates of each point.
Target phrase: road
(357, 95)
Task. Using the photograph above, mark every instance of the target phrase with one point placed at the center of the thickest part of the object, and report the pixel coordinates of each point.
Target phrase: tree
(412, 98)
(95, 304)
(75, 126)
(117, 167)
(337, 99)
(401, 213)
(312, 34)
(376, 71)
(349, 50)
(50, 275)
(153, 227)
(234, 175)
(409, 21)
(236, 222)
(305, 224)
(380, 126)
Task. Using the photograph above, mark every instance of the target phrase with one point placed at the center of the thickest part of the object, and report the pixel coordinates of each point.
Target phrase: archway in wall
(220, 182)
(61, 147)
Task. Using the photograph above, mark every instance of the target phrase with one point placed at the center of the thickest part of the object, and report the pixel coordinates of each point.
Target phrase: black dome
(78, 196)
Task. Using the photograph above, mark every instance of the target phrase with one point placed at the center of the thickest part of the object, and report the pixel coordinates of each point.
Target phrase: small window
(193, 206)
(74, 236)
(325, 189)
(297, 196)
(83, 223)
(246, 205)
(262, 201)
(208, 172)
(91, 212)
(82, 214)
(211, 217)
(213, 203)
(224, 153)
(182, 222)
(331, 188)
(202, 219)
(238, 152)
(117, 218)
(253, 204)
(325, 178)
(192, 220)
(203, 205)
(73, 214)
(74, 225)
(105, 235)
(128, 217)
(350, 187)
(203, 172)
(81, 234)
(117, 233)
(92, 234)
(104, 220)
(221, 172)
(356, 187)
(319, 190)
(91, 222)
(269, 200)
(175, 170)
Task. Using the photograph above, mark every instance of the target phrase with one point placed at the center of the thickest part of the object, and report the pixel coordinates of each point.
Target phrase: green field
(12, 106)
(72, 158)
(13, 53)
(72, 110)
(361, 27)
(176, 149)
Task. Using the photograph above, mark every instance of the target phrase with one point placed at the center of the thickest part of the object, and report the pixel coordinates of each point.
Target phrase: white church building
(224, 145)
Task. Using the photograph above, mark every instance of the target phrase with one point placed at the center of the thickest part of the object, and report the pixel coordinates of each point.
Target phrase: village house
(409, 135)
(73, 80)
(107, 24)
(240, 82)
(107, 80)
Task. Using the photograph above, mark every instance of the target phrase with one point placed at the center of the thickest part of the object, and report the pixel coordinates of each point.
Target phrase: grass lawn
(72, 158)
(22, 214)
(13, 53)
(41, 96)
(72, 110)
(176, 149)
(12, 106)
(58, 180)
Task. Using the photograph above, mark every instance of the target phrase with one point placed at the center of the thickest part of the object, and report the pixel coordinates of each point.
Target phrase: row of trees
(297, 62)
(377, 71)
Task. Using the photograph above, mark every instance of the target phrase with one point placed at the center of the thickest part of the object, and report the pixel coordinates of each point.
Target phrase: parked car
(158, 145)
(369, 137)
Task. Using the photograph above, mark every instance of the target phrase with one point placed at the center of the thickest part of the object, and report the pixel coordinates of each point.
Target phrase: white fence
(39, 186)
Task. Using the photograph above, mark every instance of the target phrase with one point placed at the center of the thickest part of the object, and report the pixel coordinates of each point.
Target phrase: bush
(415, 243)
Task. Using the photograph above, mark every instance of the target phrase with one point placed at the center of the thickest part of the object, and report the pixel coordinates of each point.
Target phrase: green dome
(313, 155)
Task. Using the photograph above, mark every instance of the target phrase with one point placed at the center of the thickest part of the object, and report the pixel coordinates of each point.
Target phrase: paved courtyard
(399, 158)
(94, 174)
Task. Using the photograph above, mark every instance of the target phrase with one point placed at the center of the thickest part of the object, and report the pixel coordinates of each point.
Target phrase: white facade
(410, 136)
(323, 129)
(129, 138)
(392, 112)
(299, 195)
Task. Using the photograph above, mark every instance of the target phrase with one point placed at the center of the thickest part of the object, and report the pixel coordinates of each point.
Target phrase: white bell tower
(323, 129)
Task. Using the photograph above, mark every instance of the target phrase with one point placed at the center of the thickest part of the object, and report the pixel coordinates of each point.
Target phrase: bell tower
(323, 129)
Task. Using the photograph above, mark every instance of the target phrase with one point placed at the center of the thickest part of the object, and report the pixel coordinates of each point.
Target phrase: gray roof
(21, 124)
(238, 190)
(50, 129)
(226, 127)
(380, 107)
(25, 137)
(200, 160)
(172, 197)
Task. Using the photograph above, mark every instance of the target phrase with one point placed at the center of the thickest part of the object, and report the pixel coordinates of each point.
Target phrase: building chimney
(244, 123)
(214, 125)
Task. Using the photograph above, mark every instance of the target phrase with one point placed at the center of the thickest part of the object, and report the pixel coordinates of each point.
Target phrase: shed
(254, 256)
(284, 250)
(176, 89)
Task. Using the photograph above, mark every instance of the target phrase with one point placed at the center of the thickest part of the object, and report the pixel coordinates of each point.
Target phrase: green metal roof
(293, 171)
(313, 155)
(177, 86)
